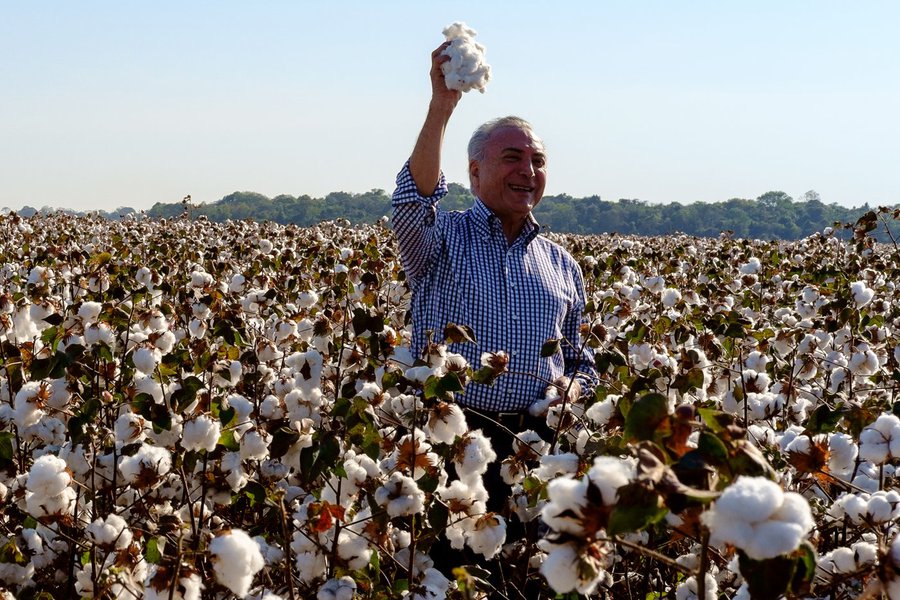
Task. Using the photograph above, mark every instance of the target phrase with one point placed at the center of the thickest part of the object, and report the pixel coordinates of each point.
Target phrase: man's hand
(441, 96)
(556, 391)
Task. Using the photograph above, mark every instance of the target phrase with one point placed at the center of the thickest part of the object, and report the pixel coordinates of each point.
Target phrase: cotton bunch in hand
(755, 515)
(466, 69)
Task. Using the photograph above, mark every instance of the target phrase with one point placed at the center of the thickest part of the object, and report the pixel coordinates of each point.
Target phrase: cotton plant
(279, 411)
(577, 553)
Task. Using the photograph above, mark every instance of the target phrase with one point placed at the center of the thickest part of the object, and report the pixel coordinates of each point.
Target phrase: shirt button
(515, 316)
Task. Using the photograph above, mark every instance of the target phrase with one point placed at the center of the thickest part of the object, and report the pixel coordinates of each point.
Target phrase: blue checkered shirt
(515, 297)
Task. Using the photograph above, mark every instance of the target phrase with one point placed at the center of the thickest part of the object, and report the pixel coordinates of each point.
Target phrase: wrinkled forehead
(515, 137)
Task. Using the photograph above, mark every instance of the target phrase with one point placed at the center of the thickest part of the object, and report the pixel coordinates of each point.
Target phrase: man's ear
(474, 175)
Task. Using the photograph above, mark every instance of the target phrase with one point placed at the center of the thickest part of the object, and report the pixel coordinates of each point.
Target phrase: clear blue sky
(108, 104)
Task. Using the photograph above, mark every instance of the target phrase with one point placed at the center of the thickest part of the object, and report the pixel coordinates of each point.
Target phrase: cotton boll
(774, 538)
(750, 499)
(201, 433)
(751, 267)
(400, 495)
(48, 476)
(755, 515)
(189, 586)
(130, 428)
(554, 465)
(474, 454)
(862, 293)
(488, 535)
(567, 498)
(566, 571)
(354, 549)
(111, 532)
(26, 407)
(863, 362)
(255, 445)
(337, 589)
(599, 413)
(609, 474)
(446, 422)
(670, 297)
(146, 466)
(466, 70)
(165, 341)
(794, 509)
(236, 559)
(688, 589)
(146, 359)
(89, 311)
(307, 299)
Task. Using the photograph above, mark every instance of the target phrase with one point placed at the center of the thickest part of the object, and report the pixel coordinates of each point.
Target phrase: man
(487, 267)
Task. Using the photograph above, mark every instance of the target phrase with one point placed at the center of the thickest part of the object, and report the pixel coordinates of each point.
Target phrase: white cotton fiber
(466, 69)
(236, 559)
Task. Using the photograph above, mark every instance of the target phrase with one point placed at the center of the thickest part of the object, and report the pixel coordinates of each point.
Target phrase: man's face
(510, 177)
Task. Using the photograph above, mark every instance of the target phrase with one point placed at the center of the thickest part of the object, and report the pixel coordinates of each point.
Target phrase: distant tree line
(774, 215)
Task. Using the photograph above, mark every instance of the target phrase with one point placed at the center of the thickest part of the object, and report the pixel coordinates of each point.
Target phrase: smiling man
(487, 267)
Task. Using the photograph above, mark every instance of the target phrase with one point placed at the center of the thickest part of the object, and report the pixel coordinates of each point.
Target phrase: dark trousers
(507, 574)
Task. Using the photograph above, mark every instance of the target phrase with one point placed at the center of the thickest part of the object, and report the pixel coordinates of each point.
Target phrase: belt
(514, 421)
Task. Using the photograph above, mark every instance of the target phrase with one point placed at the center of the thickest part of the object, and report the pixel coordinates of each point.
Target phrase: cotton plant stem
(704, 565)
(651, 553)
(285, 530)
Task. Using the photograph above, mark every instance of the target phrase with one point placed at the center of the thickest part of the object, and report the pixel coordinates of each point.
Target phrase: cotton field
(200, 410)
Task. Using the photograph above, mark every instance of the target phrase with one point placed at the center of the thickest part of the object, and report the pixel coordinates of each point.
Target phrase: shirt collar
(488, 224)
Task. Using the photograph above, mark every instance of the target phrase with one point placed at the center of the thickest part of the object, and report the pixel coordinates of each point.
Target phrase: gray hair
(481, 136)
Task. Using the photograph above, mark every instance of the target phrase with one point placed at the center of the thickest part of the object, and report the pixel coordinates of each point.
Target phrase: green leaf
(183, 397)
(636, 508)
(824, 420)
(282, 440)
(227, 440)
(806, 568)
(50, 337)
(767, 579)
(550, 348)
(485, 376)
(254, 492)
(648, 414)
(6, 446)
(442, 387)
(712, 448)
(457, 334)
(152, 553)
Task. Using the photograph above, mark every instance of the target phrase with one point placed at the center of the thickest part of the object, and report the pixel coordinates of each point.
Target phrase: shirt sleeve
(415, 224)
(579, 362)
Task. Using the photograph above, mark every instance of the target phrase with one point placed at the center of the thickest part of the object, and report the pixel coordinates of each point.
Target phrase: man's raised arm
(425, 161)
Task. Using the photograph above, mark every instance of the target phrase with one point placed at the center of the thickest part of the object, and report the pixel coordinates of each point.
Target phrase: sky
(111, 104)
